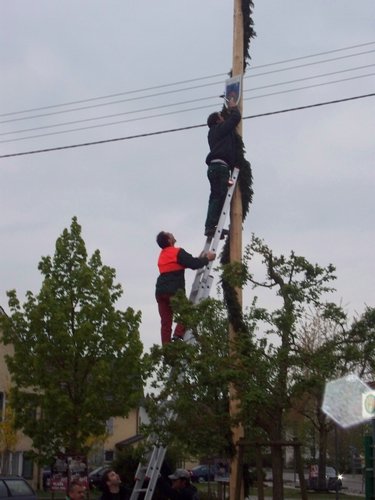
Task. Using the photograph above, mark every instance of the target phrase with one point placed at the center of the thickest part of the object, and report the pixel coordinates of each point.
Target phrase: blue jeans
(218, 175)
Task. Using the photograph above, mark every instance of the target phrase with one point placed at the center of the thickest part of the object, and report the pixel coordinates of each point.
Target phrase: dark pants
(166, 317)
(218, 175)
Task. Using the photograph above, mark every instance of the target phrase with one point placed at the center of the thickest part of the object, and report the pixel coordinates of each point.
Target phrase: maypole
(242, 33)
(235, 255)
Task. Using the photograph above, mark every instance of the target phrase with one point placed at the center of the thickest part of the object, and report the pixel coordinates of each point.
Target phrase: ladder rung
(203, 282)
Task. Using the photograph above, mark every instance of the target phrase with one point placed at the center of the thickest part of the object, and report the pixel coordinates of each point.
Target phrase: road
(352, 483)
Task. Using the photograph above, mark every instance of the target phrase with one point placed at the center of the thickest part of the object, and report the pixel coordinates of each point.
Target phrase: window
(109, 426)
(16, 463)
(27, 466)
(108, 456)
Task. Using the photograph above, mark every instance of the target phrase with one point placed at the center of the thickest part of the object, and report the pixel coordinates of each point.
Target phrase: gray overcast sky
(313, 170)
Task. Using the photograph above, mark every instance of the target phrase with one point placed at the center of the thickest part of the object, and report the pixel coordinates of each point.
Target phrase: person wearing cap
(172, 263)
(220, 161)
(180, 487)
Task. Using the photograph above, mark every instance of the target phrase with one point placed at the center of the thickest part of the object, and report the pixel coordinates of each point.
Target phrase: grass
(60, 495)
(211, 492)
(313, 495)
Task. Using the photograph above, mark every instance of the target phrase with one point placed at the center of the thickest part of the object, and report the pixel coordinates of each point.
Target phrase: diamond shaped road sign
(343, 400)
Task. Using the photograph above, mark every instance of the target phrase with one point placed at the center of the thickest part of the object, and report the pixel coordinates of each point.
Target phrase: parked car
(333, 480)
(96, 476)
(202, 473)
(15, 488)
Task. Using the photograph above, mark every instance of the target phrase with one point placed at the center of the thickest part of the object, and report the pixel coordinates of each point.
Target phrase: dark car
(333, 480)
(96, 476)
(15, 488)
(202, 473)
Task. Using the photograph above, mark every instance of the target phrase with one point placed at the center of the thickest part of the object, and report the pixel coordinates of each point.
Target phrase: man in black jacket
(172, 263)
(220, 160)
(181, 488)
(112, 487)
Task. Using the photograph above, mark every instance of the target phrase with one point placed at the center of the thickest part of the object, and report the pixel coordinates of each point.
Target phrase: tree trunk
(277, 472)
(322, 461)
(277, 457)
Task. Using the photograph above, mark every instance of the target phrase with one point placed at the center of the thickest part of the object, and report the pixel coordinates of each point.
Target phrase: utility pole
(235, 482)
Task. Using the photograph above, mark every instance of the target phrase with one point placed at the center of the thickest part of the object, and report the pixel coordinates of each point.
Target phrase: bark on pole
(236, 487)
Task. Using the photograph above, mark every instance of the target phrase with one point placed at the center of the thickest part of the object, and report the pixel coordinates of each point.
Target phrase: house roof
(129, 441)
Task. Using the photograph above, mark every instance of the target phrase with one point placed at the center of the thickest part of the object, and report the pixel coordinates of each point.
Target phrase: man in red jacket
(172, 263)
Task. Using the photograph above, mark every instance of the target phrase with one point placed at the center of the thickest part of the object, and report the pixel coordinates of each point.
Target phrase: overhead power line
(160, 132)
(169, 113)
(182, 82)
(184, 89)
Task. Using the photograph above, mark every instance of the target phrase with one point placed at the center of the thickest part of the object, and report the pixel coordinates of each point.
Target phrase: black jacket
(123, 494)
(190, 492)
(173, 281)
(222, 139)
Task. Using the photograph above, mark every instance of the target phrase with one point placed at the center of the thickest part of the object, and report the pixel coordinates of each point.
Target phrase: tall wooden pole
(235, 486)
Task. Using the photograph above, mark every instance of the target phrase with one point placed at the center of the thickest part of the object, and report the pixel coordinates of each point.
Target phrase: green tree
(319, 344)
(361, 344)
(188, 401)
(269, 363)
(264, 371)
(77, 359)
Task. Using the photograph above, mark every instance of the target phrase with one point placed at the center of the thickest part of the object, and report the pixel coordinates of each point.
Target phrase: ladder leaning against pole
(203, 278)
(147, 473)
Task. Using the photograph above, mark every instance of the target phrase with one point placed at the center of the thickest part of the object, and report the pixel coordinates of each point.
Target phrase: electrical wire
(160, 132)
(183, 82)
(169, 105)
(175, 104)
(181, 90)
(193, 100)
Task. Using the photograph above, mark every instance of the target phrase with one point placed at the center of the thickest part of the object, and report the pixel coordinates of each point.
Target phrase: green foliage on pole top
(248, 30)
(76, 359)
(245, 180)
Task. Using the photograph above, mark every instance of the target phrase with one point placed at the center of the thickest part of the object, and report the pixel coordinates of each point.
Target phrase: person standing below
(112, 487)
(172, 263)
(76, 491)
(181, 488)
(220, 160)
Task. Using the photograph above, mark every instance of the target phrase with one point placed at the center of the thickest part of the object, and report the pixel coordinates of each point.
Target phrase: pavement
(353, 484)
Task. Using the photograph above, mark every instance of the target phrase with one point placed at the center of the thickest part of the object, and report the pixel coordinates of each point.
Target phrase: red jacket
(167, 261)
(172, 263)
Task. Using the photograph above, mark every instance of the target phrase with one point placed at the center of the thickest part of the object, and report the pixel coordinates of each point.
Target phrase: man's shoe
(210, 232)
